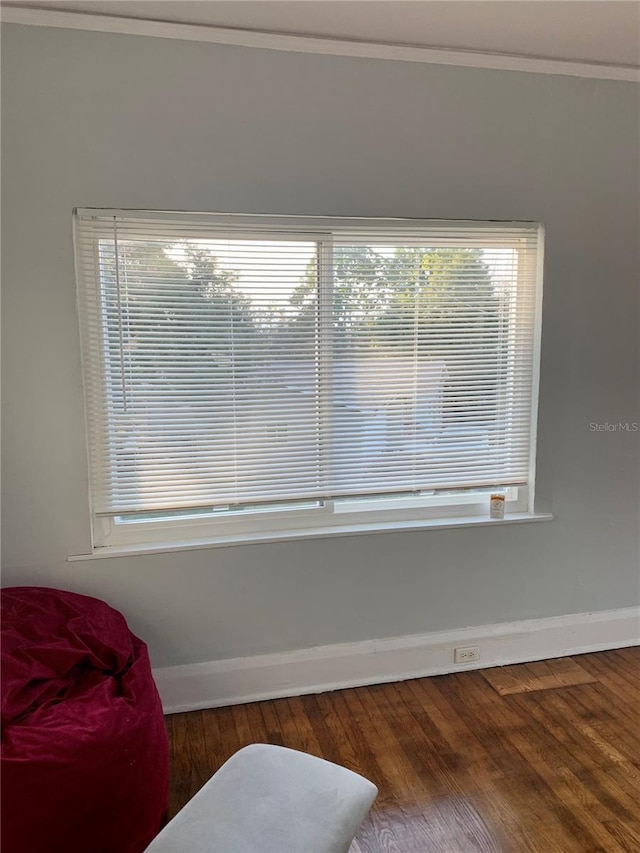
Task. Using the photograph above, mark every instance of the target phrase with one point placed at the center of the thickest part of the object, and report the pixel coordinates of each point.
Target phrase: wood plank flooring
(533, 758)
(541, 675)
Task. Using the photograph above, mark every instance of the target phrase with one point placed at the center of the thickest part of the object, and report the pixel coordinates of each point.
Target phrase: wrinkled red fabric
(84, 746)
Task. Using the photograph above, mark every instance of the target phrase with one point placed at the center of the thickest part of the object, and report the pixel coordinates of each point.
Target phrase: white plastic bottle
(496, 506)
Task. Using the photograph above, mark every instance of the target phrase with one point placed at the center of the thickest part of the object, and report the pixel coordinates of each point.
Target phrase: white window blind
(251, 362)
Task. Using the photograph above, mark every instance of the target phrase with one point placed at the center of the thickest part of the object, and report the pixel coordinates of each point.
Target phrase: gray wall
(124, 121)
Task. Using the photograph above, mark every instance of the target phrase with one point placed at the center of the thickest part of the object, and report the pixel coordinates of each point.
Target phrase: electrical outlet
(466, 654)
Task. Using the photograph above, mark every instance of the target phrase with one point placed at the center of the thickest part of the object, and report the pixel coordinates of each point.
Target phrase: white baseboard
(316, 670)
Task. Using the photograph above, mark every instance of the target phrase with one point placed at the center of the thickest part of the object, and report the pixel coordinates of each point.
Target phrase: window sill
(309, 533)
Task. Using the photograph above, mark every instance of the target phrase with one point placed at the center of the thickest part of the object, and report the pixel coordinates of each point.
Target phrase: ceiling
(599, 31)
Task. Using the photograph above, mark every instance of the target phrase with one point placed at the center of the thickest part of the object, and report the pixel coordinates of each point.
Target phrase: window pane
(211, 369)
(423, 363)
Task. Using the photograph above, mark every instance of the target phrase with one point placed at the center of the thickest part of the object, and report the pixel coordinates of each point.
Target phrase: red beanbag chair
(84, 745)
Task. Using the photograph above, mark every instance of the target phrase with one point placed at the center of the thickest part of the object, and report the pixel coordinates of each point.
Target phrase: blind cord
(120, 332)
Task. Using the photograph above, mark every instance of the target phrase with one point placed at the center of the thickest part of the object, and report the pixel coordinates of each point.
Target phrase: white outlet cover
(466, 654)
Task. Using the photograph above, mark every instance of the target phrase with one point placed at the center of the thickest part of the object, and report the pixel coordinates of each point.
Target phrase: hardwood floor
(541, 757)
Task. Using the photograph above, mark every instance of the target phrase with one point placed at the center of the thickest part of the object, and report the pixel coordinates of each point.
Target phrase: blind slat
(230, 360)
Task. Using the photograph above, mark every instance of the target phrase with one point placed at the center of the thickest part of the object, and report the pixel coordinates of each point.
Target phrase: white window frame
(343, 514)
(329, 517)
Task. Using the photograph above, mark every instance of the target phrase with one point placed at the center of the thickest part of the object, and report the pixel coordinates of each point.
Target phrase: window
(247, 375)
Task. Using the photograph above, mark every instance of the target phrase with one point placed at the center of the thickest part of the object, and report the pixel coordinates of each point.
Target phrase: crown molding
(314, 44)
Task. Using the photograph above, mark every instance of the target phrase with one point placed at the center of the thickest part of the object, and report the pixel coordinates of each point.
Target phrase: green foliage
(181, 312)
(388, 302)
(379, 298)
(171, 307)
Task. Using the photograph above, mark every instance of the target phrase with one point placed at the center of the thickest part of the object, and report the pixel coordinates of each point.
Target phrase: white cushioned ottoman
(268, 799)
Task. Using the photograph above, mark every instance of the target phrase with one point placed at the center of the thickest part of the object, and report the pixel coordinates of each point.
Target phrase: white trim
(239, 680)
(112, 551)
(315, 44)
(537, 360)
(355, 514)
(300, 226)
